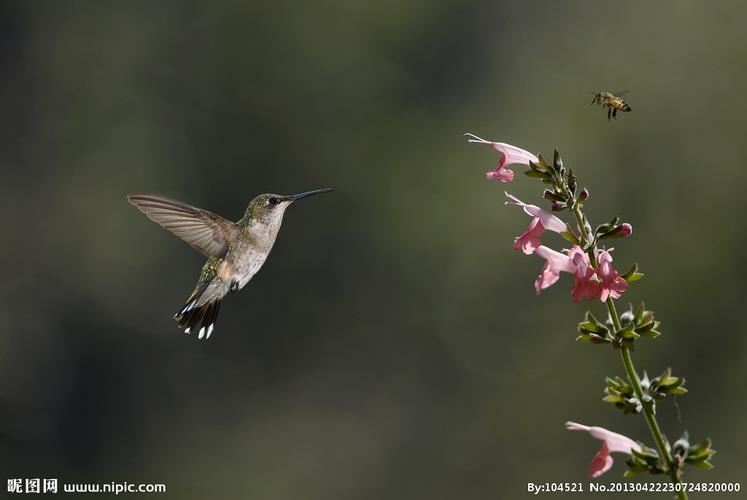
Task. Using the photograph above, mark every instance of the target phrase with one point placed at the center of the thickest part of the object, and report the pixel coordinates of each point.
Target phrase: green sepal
(572, 182)
(651, 334)
(557, 162)
(647, 455)
(632, 274)
(704, 464)
(537, 174)
(543, 163)
(570, 237)
(550, 194)
(539, 167)
(603, 229)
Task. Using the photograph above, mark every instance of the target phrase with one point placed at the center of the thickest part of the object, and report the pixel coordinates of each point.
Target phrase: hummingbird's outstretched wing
(205, 231)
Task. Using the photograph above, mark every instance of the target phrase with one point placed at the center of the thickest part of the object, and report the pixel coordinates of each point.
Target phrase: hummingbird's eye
(273, 201)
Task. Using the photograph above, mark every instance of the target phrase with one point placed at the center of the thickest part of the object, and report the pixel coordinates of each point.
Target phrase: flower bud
(681, 446)
(626, 317)
(622, 231)
(583, 195)
(551, 195)
(557, 206)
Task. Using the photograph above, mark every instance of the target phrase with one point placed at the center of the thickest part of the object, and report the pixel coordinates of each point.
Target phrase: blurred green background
(392, 346)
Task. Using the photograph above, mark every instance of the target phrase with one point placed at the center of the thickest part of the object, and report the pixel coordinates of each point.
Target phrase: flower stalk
(627, 359)
(595, 278)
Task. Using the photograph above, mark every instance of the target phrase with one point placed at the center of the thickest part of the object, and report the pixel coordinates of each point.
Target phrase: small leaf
(588, 326)
(590, 317)
(703, 445)
(551, 195)
(632, 269)
(543, 162)
(539, 175)
(647, 455)
(634, 277)
(539, 167)
(557, 161)
(705, 464)
(570, 237)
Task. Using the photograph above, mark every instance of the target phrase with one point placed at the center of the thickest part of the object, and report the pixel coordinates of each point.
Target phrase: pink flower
(555, 263)
(612, 284)
(530, 239)
(509, 155)
(586, 285)
(589, 283)
(612, 442)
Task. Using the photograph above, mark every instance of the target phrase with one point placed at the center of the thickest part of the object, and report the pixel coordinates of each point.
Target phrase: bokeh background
(393, 345)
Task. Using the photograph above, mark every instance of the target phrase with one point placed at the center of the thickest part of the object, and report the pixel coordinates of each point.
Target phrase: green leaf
(539, 175)
(557, 161)
(551, 195)
(703, 445)
(590, 317)
(610, 398)
(705, 464)
(647, 455)
(700, 455)
(572, 182)
(543, 162)
(632, 472)
(539, 166)
(632, 269)
(644, 327)
(588, 326)
(634, 277)
(570, 237)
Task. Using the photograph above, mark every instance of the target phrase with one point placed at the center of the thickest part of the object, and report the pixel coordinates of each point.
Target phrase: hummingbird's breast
(247, 258)
(248, 266)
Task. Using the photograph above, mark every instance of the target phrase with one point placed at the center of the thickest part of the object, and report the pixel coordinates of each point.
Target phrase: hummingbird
(235, 251)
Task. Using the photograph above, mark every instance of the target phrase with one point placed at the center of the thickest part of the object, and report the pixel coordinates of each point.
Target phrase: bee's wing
(205, 231)
(620, 93)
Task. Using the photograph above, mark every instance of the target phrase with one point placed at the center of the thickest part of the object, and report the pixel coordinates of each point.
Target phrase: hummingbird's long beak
(295, 197)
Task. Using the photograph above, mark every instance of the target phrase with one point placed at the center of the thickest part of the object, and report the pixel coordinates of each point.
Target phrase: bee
(613, 102)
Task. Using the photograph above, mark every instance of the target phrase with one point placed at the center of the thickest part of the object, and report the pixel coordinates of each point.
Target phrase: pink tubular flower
(555, 263)
(509, 155)
(586, 286)
(612, 442)
(612, 284)
(589, 283)
(530, 239)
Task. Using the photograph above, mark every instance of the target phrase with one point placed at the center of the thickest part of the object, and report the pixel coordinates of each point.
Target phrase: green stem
(648, 411)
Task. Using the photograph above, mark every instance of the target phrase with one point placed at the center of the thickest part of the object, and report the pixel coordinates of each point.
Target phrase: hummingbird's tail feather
(200, 310)
(203, 316)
